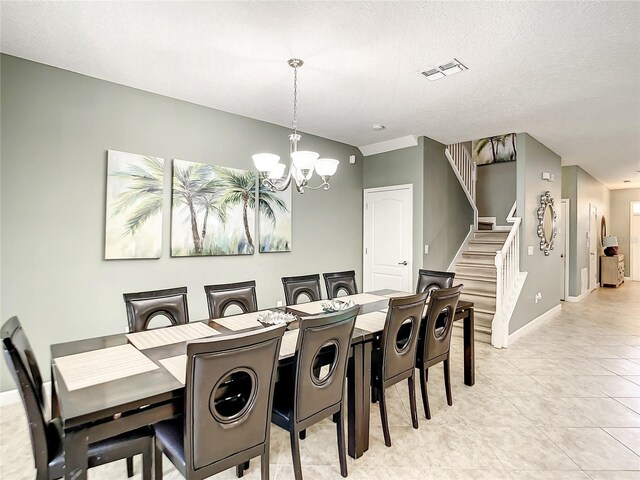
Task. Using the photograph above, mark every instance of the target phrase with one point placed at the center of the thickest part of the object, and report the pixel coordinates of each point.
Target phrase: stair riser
(485, 247)
(492, 235)
(480, 259)
(471, 286)
(488, 272)
(481, 336)
(483, 303)
(483, 320)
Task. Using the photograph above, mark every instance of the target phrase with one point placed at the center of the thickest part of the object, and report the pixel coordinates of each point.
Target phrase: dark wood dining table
(101, 411)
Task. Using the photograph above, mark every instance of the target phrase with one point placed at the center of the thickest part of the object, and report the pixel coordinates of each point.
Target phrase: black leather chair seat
(104, 451)
(282, 403)
(170, 436)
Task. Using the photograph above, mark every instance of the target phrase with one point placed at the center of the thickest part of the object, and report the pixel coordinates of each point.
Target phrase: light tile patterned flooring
(561, 403)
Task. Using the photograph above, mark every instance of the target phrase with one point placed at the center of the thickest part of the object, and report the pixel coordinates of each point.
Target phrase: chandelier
(303, 162)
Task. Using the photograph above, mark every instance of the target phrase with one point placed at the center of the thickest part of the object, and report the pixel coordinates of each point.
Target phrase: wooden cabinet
(612, 270)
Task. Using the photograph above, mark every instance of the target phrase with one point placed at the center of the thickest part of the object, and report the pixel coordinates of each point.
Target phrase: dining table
(105, 386)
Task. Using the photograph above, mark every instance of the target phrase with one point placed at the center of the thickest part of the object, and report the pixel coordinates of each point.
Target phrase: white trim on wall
(533, 324)
(580, 297)
(389, 145)
(566, 226)
(11, 397)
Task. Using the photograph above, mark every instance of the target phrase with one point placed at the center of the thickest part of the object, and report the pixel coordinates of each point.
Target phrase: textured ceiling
(567, 73)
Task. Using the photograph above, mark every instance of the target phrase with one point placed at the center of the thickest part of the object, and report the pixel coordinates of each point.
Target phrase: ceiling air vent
(444, 70)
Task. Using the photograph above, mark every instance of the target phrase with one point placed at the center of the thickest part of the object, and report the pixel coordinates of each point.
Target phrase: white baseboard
(533, 324)
(11, 397)
(580, 297)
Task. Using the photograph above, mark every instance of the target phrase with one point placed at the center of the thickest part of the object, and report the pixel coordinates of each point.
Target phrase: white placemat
(158, 337)
(289, 343)
(177, 366)
(311, 308)
(362, 298)
(85, 369)
(371, 322)
(240, 322)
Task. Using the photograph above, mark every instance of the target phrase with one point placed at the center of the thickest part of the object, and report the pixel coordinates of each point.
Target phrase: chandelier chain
(295, 99)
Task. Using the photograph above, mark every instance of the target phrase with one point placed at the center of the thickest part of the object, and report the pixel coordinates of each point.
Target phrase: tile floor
(561, 403)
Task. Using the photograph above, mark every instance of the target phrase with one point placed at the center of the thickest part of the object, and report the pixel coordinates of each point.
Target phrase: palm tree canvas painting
(133, 227)
(274, 220)
(213, 210)
(500, 148)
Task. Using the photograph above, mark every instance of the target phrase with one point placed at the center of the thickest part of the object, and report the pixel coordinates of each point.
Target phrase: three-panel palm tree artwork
(213, 210)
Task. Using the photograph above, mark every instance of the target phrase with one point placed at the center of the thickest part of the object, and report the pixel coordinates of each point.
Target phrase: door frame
(633, 275)
(566, 225)
(366, 191)
(593, 275)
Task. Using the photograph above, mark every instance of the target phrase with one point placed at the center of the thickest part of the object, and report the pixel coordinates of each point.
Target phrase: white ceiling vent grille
(444, 70)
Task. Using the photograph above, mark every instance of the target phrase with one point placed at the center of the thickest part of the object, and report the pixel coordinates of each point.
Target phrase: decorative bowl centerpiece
(336, 305)
(276, 317)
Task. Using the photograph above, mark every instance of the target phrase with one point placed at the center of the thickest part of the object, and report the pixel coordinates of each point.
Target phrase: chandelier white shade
(302, 163)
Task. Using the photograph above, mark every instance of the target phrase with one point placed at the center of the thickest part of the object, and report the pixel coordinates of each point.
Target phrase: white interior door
(388, 238)
(593, 246)
(564, 235)
(634, 242)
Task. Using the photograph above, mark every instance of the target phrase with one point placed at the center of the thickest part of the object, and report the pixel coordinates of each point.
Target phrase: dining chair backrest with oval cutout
(223, 296)
(143, 307)
(316, 389)
(301, 286)
(337, 282)
(229, 387)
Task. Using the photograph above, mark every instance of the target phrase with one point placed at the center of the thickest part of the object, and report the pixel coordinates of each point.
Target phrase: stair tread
(482, 240)
(466, 292)
(485, 266)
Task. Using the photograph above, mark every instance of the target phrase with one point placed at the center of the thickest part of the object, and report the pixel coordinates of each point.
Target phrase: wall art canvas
(274, 220)
(501, 148)
(133, 227)
(213, 210)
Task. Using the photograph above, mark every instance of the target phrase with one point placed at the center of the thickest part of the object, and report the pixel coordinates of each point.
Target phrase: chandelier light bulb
(326, 167)
(276, 172)
(265, 162)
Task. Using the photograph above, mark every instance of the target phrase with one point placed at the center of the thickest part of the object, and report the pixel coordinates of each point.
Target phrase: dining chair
(241, 294)
(319, 373)
(340, 281)
(46, 436)
(395, 359)
(435, 339)
(142, 307)
(430, 280)
(228, 401)
(307, 285)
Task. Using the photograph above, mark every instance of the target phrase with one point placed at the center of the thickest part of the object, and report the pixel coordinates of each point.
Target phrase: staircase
(476, 269)
(488, 261)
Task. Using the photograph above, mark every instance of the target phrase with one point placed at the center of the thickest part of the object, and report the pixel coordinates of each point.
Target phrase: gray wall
(56, 129)
(447, 212)
(618, 221)
(496, 190)
(582, 190)
(544, 272)
(400, 167)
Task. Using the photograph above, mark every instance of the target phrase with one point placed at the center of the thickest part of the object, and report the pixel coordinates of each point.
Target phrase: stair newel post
(499, 282)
